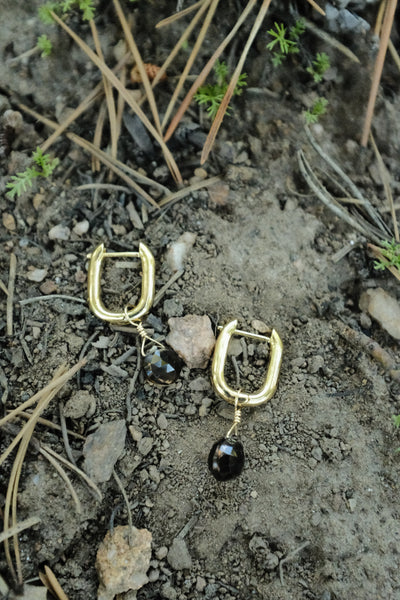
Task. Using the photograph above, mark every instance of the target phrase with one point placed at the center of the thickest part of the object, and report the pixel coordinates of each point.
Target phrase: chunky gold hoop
(94, 285)
(240, 398)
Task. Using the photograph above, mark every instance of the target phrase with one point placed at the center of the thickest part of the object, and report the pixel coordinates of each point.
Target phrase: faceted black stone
(226, 459)
(162, 366)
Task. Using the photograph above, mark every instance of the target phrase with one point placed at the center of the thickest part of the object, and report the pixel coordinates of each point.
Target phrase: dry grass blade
(380, 59)
(98, 134)
(385, 177)
(18, 528)
(108, 161)
(187, 190)
(51, 582)
(329, 39)
(10, 293)
(51, 425)
(394, 54)
(64, 477)
(24, 436)
(316, 7)
(180, 14)
(180, 42)
(212, 6)
(207, 69)
(139, 63)
(112, 115)
(232, 85)
(113, 79)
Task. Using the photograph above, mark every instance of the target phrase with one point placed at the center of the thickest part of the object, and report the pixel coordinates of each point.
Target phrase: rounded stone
(226, 459)
(162, 366)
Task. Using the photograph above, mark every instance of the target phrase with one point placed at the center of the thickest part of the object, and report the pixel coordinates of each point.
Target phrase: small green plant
(45, 45)
(391, 252)
(86, 6)
(286, 41)
(43, 167)
(319, 66)
(318, 109)
(212, 95)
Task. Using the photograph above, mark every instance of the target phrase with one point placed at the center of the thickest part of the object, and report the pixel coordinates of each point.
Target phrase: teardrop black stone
(162, 366)
(226, 459)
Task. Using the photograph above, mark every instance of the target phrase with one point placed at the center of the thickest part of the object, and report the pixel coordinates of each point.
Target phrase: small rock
(102, 449)
(178, 555)
(36, 274)
(80, 404)
(315, 363)
(162, 421)
(179, 250)
(172, 308)
(168, 592)
(218, 193)
(352, 502)
(122, 561)
(200, 583)
(154, 474)
(161, 552)
(135, 433)
(48, 287)
(260, 326)
(145, 445)
(59, 232)
(192, 339)
(384, 308)
(9, 221)
(200, 384)
(317, 453)
(81, 227)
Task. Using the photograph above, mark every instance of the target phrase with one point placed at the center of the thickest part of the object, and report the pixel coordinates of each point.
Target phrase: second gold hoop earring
(162, 365)
(226, 458)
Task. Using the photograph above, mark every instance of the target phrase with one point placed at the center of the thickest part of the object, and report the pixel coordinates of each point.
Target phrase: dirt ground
(315, 513)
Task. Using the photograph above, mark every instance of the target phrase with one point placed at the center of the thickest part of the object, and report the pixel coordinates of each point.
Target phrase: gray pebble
(315, 363)
(102, 449)
(316, 453)
(168, 592)
(161, 552)
(162, 421)
(145, 445)
(178, 555)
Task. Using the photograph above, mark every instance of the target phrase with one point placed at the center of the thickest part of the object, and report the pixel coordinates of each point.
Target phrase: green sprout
(391, 252)
(287, 42)
(319, 66)
(45, 45)
(86, 6)
(43, 167)
(212, 95)
(318, 109)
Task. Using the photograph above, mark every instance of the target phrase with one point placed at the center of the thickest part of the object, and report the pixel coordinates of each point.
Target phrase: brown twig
(10, 293)
(380, 59)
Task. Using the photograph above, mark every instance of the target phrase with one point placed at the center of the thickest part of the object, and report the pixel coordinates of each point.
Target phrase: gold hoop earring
(226, 458)
(162, 366)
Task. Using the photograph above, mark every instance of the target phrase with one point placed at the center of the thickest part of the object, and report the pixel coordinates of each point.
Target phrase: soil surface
(315, 512)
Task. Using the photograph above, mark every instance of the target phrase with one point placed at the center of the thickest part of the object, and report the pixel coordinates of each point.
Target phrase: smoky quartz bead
(162, 366)
(226, 459)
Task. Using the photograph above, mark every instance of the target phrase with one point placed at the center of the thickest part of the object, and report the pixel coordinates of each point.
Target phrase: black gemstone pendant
(162, 366)
(226, 459)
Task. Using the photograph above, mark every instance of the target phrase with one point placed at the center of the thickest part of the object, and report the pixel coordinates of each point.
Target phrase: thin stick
(51, 425)
(65, 433)
(179, 14)
(394, 54)
(109, 161)
(385, 177)
(167, 285)
(231, 87)
(64, 477)
(50, 297)
(206, 70)
(18, 528)
(112, 116)
(139, 63)
(10, 296)
(126, 500)
(113, 79)
(178, 46)
(212, 5)
(54, 585)
(187, 190)
(317, 8)
(329, 39)
(380, 59)
(98, 134)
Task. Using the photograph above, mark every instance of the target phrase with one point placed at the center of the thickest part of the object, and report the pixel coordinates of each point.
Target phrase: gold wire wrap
(138, 325)
(237, 417)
